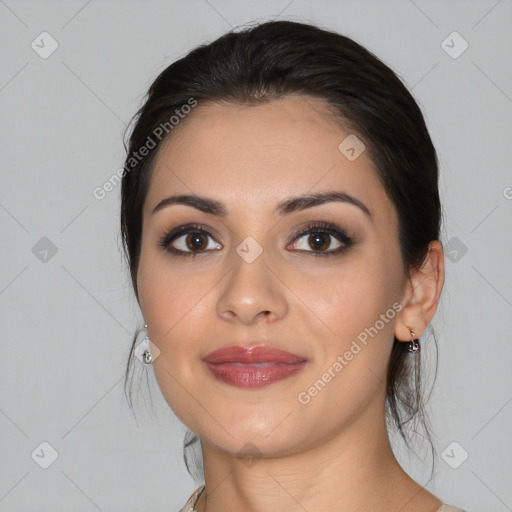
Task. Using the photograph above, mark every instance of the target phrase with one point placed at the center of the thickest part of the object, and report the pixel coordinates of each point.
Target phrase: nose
(252, 292)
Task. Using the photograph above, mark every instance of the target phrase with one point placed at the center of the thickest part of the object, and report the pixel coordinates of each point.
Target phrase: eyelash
(313, 228)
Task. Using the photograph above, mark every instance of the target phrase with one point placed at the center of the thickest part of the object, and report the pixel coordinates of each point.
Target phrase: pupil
(194, 241)
(317, 240)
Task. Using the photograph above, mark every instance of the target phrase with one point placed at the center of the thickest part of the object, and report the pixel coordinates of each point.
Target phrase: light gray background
(67, 321)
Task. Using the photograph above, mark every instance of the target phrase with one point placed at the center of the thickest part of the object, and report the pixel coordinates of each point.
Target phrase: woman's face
(257, 275)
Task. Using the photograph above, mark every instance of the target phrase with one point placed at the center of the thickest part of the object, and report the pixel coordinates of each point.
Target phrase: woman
(280, 216)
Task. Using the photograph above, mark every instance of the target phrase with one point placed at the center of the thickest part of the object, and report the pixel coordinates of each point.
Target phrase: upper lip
(256, 354)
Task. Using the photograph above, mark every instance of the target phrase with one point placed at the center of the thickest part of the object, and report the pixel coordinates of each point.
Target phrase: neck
(354, 470)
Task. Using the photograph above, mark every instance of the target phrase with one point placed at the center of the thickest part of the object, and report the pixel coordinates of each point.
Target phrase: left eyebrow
(290, 205)
(309, 200)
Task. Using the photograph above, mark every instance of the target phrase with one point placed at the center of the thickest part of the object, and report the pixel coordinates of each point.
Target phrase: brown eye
(196, 241)
(189, 240)
(322, 239)
(319, 241)
(193, 242)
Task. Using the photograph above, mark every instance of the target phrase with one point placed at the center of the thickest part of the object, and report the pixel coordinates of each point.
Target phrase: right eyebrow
(204, 204)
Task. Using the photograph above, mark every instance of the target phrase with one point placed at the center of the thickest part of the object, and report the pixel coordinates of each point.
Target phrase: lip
(253, 367)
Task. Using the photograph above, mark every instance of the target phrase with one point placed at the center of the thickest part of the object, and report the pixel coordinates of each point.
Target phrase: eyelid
(317, 226)
(328, 228)
(171, 236)
(312, 227)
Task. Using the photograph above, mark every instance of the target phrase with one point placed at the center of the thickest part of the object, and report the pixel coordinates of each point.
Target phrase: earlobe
(422, 294)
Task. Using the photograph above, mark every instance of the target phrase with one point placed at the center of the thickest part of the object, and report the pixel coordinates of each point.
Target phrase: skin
(333, 452)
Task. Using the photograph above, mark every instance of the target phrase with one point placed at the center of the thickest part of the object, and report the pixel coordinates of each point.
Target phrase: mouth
(254, 367)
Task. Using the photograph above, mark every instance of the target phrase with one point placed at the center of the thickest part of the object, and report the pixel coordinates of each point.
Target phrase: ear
(421, 295)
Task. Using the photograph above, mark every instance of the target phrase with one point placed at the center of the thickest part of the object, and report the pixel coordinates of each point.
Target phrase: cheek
(357, 307)
(351, 299)
(176, 307)
(351, 362)
(170, 299)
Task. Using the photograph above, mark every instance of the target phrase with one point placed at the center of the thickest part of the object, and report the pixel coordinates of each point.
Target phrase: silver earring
(413, 345)
(147, 358)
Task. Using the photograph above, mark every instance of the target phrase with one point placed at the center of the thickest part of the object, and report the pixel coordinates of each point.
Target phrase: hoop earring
(147, 358)
(413, 345)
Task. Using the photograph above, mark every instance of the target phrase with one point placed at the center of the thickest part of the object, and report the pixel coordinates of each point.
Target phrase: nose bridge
(251, 287)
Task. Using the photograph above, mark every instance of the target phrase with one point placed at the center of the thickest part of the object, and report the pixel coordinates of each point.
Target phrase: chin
(252, 438)
(253, 445)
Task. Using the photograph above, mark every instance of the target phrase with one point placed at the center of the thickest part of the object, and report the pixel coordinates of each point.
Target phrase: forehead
(258, 155)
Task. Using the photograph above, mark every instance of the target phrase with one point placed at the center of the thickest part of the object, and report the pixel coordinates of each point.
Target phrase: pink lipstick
(253, 367)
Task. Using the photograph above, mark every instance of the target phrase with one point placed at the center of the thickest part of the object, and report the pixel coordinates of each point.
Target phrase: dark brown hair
(269, 61)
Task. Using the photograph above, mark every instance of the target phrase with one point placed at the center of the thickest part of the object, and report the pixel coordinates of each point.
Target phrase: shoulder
(189, 506)
(449, 508)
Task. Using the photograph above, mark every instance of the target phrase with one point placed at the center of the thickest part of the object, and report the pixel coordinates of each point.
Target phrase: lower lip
(253, 375)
